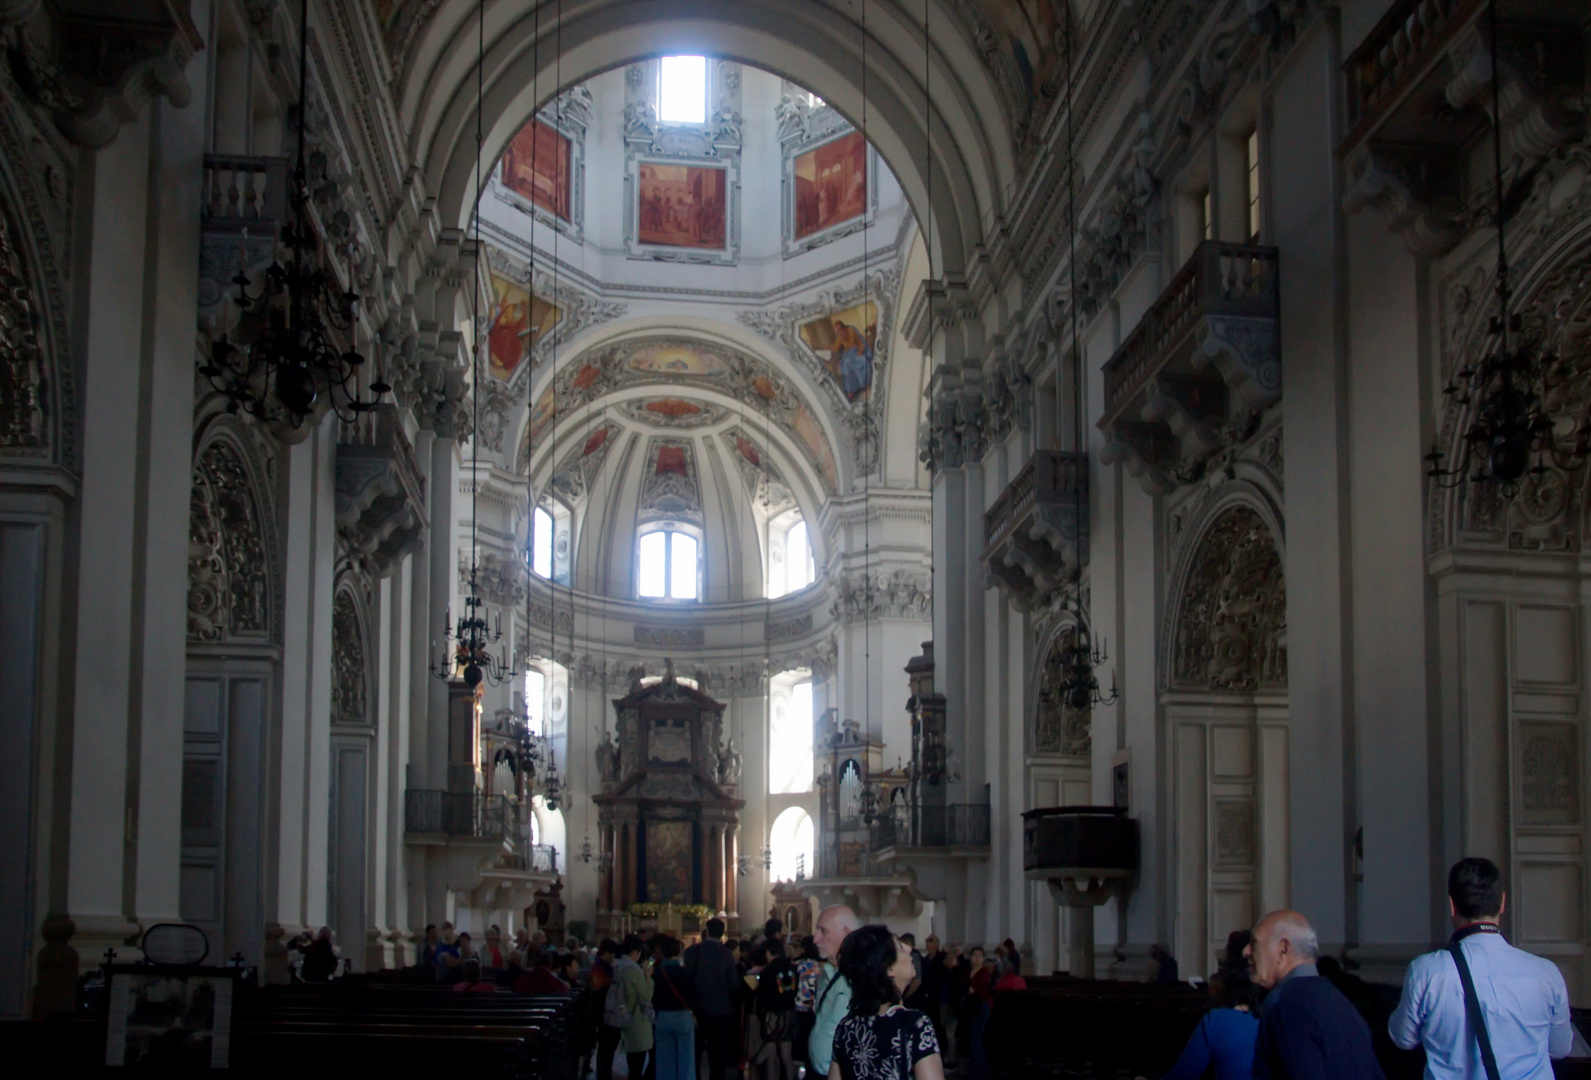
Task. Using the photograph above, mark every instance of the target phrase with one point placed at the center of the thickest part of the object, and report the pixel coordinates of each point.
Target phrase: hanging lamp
(294, 364)
(1512, 434)
(472, 638)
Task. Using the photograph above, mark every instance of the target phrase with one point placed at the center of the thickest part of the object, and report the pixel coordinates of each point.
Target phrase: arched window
(791, 840)
(541, 543)
(668, 565)
(790, 563)
(790, 739)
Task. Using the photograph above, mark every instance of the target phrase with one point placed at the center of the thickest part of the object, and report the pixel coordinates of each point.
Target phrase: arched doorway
(1225, 703)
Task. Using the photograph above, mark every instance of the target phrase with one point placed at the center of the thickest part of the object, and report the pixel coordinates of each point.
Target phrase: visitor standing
(1480, 998)
(879, 1038)
(834, 925)
(715, 974)
(629, 1005)
(1308, 1030)
(1222, 1046)
(674, 999)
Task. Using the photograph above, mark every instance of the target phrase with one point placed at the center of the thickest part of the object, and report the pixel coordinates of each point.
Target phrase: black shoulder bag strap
(1472, 1007)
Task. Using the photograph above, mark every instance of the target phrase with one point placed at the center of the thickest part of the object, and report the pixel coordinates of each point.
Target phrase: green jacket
(637, 989)
(832, 1005)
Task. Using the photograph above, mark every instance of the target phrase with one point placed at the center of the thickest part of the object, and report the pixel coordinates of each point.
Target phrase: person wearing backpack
(628, 1009)
(1480, 1007)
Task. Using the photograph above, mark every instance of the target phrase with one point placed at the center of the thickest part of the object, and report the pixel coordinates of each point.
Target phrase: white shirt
(1522, 997)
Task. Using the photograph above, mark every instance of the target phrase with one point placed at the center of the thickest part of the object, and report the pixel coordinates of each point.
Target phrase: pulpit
(667, 817)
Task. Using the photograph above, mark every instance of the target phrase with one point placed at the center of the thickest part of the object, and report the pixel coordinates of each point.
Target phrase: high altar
(668, 818)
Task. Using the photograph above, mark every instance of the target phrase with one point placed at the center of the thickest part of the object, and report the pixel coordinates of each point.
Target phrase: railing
(1396, 54)
(382, 429)
(954, 826)
(1220, 279)
(1049, 477)
(239, 190)
(484, 817)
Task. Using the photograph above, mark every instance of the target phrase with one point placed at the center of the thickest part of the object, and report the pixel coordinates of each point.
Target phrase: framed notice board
(168, 1017)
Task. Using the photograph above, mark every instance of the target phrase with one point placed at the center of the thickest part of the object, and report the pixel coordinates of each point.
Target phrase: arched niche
(232, 686)
(1224, 699)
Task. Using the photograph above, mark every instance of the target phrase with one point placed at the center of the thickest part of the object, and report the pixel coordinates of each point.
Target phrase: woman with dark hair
(1222, 1045)
(881, 1039)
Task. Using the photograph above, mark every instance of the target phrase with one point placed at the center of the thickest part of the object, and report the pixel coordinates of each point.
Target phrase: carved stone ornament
(348, 688)
(106, 65)
(228, 579)
(899, 595)
(1058, 728)
(1231, 629)
(22, 385)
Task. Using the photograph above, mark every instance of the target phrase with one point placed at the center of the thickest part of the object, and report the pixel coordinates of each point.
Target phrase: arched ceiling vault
(800, 460)
(815, 43)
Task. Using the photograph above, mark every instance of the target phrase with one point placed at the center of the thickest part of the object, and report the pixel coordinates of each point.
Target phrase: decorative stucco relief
(1231, 631)
(228, 578)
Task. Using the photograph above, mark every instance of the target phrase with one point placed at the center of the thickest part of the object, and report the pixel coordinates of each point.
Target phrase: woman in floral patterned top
(881, 1039)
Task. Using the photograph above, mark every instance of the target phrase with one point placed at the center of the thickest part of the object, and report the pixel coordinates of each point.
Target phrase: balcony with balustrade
(245, 204)
(483, 839)
(1036, 533)
(1200, 368)
(380, 501)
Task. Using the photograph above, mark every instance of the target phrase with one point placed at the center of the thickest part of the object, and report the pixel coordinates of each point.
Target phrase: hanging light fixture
(472, 639)
(1512, 432)
(295, 361)
(1079, 687)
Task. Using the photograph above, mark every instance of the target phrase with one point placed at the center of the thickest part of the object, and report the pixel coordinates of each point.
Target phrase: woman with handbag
(674, 998)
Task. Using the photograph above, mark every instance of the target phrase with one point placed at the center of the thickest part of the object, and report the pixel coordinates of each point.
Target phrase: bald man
(1308, 1030)
(834, 992)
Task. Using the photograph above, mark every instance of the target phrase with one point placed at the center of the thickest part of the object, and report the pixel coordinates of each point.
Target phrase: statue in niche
(729, 765)
(608, 758)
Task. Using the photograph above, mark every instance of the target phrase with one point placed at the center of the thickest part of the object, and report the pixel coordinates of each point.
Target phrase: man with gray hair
(834, 925)
(1308, 1030)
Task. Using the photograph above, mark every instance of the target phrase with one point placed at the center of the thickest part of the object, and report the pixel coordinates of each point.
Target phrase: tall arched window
(790, 563)
(541, 543)
(668, 565)
(791, 840)
(790, 738)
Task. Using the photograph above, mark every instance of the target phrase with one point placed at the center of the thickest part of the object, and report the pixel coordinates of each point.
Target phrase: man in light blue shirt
(834, 925)
(1522, 997)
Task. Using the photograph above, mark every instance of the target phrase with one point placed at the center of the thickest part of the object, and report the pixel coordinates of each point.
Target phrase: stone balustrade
(1199, 369)
(1036, 533)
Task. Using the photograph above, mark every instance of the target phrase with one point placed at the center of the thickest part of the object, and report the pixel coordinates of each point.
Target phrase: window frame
(669, 530)
(707, 83)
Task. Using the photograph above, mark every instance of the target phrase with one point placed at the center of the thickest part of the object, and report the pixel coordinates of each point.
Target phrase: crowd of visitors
(855, 1002)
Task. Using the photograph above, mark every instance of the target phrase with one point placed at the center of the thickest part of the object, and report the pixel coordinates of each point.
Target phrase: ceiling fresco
(769, 397)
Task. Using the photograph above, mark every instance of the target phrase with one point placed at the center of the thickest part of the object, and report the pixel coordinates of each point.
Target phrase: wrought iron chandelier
(1513, 433)
(295, 363)
(472, 638)
(1080, 686)
(537, 754)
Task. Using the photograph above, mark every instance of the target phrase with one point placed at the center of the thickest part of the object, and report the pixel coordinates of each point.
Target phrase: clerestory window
(668, 566)
(682, 90)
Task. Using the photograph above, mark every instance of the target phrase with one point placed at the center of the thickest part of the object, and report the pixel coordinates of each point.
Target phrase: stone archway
(1225, 706)
(232, 689)
(953, 162)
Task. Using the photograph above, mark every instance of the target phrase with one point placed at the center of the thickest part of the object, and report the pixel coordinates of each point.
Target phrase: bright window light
(541, 543)
(682, 90)
(790, 743)
(798, 558)
(654, 568)
(791, 840)
(682, 567)
(667, 566)
(536, 700)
